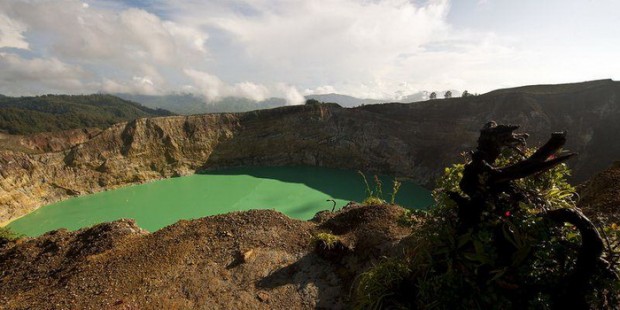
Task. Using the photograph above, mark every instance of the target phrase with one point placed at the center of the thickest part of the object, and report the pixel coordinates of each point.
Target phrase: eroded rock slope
(408, 140)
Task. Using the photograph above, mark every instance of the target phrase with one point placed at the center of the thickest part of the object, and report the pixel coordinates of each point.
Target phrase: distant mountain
(188, 104)
(26, 115)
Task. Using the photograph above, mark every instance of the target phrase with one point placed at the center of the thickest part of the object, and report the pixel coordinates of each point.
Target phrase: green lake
(299, 192)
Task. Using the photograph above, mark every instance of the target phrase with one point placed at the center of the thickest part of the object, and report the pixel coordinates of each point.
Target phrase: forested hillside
(26, 115)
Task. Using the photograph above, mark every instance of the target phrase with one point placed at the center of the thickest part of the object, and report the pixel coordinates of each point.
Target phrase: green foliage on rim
(448, 270)
(328, 240)
(374, 196)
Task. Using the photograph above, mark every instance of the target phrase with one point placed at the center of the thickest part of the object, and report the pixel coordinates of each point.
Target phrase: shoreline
(7, 222)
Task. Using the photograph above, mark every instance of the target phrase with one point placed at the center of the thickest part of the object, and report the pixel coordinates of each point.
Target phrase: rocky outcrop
(600, 196)
(257, 259)
(407, 140)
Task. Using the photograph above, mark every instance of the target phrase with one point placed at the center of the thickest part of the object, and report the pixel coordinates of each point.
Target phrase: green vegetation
(443, 268)
(312, 101)
(384, 280)
(325, 240)
(6, 234)
(26, 115)
(374, 196)
(395, 188)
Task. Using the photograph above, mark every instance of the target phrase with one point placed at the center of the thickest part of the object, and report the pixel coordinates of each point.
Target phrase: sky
(381, 49)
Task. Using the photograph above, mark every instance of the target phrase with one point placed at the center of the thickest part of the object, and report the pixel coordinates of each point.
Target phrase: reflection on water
(299, 192)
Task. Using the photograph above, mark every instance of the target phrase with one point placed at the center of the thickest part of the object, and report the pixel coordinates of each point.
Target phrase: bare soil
(600, 196)
(257, 259)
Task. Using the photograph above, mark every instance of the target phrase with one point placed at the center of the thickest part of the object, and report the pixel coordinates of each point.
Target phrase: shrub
(6, 234)
(375, 195)
(448, 269)
(326, 240)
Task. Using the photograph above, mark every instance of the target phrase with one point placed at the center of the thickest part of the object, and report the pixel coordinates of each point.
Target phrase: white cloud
(250, 90)
(123, 49)
(371, 49)
(209, 85)
(137, 85)
(213, 88)
(262, 48)
(17, 75)
(290, 93)
(345, 37)
(11, 33)
(324, 89)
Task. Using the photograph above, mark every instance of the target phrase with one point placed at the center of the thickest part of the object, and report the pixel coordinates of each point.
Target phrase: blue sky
(290, 48)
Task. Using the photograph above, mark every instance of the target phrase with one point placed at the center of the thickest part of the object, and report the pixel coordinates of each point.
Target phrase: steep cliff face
(410, 140)
(123, 154)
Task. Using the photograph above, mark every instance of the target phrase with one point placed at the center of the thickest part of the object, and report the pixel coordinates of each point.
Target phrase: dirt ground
(600, 196)
(257, 259)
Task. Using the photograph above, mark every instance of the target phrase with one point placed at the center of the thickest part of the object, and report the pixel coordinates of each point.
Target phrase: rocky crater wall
(406, 140)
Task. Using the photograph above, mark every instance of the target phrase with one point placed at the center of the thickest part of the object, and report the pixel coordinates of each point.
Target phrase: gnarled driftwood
(483, 183)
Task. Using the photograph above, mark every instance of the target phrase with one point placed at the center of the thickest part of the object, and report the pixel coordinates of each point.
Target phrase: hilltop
(49, 113)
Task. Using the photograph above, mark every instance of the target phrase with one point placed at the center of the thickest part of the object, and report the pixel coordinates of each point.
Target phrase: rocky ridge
(257, 259)
(406, 140)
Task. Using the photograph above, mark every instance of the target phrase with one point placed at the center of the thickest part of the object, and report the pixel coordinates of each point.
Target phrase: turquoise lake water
(299, 192)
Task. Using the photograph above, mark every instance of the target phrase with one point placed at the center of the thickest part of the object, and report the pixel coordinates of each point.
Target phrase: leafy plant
(327, 240)
(374, 286)
(395, 188)
(451, 269)
(375, 195)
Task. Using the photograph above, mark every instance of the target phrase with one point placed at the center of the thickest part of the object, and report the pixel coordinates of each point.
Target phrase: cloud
(290, 93)
(11, 33)
(371, 49)
(324, 89)
(17, 75)
(213, 88)
(125, 49)
(261, 48)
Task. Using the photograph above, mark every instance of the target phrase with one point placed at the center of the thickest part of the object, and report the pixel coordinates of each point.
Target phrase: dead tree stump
(483, 183)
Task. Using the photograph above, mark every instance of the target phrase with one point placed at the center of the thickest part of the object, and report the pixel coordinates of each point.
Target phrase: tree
(448, 94)
(432, 96)
(465, 94)
(312, 101)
